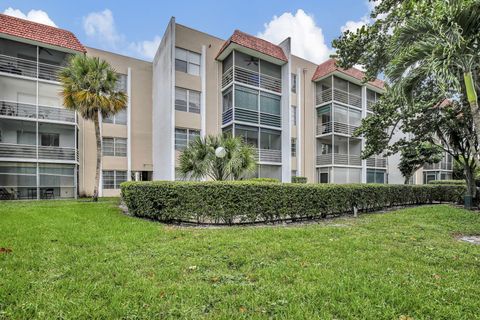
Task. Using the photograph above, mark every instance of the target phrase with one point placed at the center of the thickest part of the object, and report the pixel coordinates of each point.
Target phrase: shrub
(243, 201)
(299, 179)
(449, 182)
(270, 180)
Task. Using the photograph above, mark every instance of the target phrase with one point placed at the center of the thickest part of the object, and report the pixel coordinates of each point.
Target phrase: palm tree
(444, 48)
(199, 160)
(89, 88)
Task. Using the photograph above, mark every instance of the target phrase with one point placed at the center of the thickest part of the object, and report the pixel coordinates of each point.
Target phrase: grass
(74, 259)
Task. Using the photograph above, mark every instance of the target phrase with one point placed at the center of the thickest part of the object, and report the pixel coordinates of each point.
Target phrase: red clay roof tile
(330, 66)
(248, 41)
(25, 29)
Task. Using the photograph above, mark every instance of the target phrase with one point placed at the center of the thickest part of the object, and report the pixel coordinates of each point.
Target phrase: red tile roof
(330, 66)
(248, 41)
(25, 29)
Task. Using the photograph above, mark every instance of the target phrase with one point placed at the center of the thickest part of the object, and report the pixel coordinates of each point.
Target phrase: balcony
(251, 78)
(339, 159)
(29, 68)
(24, 110)
(339, 95)
(268, 155)
(438, 166)
(251, 116)
(335, 127)
(23, 151)
(377, 162)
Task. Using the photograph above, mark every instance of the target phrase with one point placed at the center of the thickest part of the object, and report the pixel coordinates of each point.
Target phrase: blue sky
(135, 27)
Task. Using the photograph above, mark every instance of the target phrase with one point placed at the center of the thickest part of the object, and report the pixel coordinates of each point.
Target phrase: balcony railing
(438, 166)
(29, 68)
(12, 150)
(324, 96)
(336, 127)
(24, 110)
(252, 116)
(269, 155)
(377, 162)
(339, 158)
(251, 78)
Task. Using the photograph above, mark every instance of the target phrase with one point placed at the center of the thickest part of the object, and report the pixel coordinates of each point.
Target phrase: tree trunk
(470, 180)
(99, 157)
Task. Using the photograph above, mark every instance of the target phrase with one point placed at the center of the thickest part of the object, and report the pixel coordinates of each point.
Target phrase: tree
(89, 88)
(416, 155)
(428, 51)
(199, 160)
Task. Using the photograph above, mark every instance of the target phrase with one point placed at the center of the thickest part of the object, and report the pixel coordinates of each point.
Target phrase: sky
(135, 28)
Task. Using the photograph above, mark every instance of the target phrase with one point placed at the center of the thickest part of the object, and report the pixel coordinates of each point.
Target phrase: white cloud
(353, 26)
(39, 16)
(307, 38)
(101, 27)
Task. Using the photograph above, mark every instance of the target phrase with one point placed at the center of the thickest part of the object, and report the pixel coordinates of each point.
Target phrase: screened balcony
(252, 106)
(267, 143)
(337, 119)
(18, 100)
(377, 162)
(445, 164)
(336, 89)
(252, 71)
(372, 98)
(338, 150)
(19, 181)
(31, 61)
(19, 140)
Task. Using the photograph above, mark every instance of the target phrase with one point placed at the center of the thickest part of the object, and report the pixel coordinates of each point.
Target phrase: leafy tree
(428, 51)
(89, 88)
(416, 155)
(199, 160)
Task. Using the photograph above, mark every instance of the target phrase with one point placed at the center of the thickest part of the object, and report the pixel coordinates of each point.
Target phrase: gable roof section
(248, 41)
(330, 66)
(38, 32)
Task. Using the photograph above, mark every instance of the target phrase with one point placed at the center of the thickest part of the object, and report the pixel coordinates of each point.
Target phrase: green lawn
(73, 259)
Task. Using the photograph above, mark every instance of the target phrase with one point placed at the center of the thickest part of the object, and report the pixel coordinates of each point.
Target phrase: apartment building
(299, 116)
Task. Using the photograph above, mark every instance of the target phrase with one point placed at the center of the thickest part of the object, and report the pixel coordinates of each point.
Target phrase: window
(119, 118)
(270, 139)
(375, 176)
(227, 100)
(49, 139)
(269, 103)
(113, 178)
(115, 147)
(294, 147)
(187, 100)
(121, 84)
(246, 98)
(294, 173)
(249, 134)
(184, 136)
(293, 111)
(187, 61)
(294, 83)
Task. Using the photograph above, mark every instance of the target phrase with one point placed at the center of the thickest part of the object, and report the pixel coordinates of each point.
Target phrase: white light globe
(220, 152)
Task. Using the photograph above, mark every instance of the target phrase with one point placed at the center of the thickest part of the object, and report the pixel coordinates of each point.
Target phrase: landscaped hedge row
(448, 182)
(237, 202)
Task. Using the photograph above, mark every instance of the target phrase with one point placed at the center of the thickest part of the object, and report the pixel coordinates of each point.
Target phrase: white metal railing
(13, 150)
(25, 110)
(256, 117)
(377, 162)
(339, 158)
(438, 166)
(251, 78)
(347, 98)
(338, 127)
(28, 68)
(323, 96)
(269, 155)
(227, 116)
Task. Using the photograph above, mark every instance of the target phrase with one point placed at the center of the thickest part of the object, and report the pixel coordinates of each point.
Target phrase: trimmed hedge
(270, 180)
(299, 179)
(449, 182)
(239, 202)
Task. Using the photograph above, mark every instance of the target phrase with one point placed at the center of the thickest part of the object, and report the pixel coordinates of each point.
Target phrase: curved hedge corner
(243, 202)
